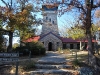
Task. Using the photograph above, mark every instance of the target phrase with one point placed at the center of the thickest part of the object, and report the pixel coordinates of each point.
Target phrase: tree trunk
(9, 49)
(92, 57)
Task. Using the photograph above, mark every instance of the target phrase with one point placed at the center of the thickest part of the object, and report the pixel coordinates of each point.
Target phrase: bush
(36, 48)
(22, 51)
(76, 62)
(29, 65)
(2, 50)
(43, 51)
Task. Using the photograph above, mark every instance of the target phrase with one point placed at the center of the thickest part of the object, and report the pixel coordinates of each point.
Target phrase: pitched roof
(35, 39)
(70, 40)
(48, 34)
(64, 40)
(50, 7)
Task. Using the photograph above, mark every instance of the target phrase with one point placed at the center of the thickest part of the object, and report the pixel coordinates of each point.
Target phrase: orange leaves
(29, 7)
(24, 12)
(97, 13)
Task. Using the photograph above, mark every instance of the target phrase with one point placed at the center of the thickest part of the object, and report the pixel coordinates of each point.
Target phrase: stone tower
(49, 19)
(50, 34)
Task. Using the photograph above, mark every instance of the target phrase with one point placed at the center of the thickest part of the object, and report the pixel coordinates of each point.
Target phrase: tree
(76, 33)
(1, 37)
(16, 18)
(97, 13)
(85, 9)
(15, 45)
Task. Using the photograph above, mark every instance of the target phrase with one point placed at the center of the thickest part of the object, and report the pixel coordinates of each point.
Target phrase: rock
(85, 71)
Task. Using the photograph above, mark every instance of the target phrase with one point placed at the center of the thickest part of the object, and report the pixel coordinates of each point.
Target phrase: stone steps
(46, 66)
(54, 68)
(52, 64)
(51, 72)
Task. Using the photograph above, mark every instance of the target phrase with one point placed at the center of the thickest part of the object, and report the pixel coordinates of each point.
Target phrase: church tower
(50, 34)
(50, 19)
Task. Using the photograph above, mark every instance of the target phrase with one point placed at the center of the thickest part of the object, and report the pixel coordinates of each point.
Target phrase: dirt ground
(10, 70)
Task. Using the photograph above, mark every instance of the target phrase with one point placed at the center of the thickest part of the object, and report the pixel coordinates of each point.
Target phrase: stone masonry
(50, 34)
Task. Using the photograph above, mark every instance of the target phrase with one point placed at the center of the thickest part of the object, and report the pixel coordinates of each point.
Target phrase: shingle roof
(64, 40)
(70, 40)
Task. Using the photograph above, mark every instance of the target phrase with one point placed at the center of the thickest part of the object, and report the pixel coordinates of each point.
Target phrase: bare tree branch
(5, 3)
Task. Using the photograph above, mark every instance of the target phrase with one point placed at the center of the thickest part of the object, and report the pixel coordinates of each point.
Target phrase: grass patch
(27, 65)
(82, 57)
(64, 51)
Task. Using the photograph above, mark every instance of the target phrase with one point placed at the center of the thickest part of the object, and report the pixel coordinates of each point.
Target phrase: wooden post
(30, 55)
(76, 55)
(10, 57)
(16, 73)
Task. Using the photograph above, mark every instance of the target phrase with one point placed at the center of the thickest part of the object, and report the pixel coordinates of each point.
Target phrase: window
(71, 46)
(57, 43)
(46, 18)
(64, 46)
(78, 46)
(53, 22)
(50, 19)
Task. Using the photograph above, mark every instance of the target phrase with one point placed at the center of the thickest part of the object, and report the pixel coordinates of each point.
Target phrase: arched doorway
(49, 46)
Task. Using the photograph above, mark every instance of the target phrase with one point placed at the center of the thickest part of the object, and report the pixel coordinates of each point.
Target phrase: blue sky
(1, 3)
(64, 21)
(15, 39)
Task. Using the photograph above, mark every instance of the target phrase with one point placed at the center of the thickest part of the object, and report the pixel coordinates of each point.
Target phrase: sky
(15, 39)
(64, 21)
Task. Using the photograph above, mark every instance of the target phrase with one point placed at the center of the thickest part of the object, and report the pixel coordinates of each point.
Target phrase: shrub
(36, 48)
(43, 51)
(28, 65)
(2, 50)
(22, 50)
(76, 63)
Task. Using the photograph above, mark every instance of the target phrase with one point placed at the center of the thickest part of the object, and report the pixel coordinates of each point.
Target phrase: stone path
(52, 64)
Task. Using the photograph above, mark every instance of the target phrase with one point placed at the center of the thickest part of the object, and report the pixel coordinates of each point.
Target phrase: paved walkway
(52, 64)
(52, 56)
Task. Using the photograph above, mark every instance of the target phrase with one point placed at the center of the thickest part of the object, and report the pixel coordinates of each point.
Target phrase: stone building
(50, 35)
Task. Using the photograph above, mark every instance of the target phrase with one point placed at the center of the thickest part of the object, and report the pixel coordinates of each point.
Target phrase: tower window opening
(50, 19)
(53, 22)
(46, 18)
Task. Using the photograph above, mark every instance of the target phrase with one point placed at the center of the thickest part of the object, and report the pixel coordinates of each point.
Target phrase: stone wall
(56, 42)
(50, 23)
